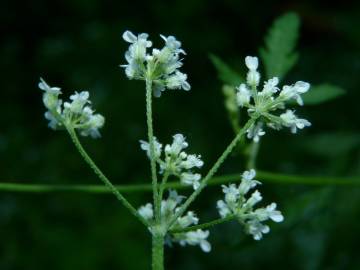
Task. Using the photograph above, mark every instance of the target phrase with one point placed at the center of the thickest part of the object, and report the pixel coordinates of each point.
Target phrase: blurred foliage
(278, 55)
(322, 93)
(77, 45)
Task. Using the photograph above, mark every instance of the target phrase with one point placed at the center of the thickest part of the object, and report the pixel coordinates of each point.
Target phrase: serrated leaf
(225, 73)
(322, 93)
(279, 55)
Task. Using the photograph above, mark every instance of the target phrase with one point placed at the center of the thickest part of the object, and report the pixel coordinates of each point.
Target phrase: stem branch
(152, 148)
(205, 225)
(163, 186)
(212, 171)
(102, 177)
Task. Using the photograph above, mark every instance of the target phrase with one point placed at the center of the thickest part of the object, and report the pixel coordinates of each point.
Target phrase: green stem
(102, 177)
(268, 177)
(204, 225)
(163, 186)
(152, 148)
(157, 252)
(252, 155)
(212, 171)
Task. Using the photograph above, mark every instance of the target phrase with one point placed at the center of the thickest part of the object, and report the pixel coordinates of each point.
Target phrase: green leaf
(331, 145)
(279, 55)
(322, 93)
(225, 73)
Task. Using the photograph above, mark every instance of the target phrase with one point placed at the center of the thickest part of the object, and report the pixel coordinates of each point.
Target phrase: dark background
(77, 45)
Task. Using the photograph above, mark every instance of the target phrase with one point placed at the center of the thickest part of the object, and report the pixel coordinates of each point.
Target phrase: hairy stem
(212, 171)
(102, 177)
(157, 252)
(163, 186)
(152, 148)
(205, 225)
(268, 177)
(252, 155)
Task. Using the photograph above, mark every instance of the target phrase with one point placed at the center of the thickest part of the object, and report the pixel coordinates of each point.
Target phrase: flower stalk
(214, 169)
(102, 176)
(205, 225)
(157, 252)
(151, 146)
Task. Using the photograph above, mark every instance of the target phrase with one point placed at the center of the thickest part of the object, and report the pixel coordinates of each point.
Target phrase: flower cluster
(176, 162)
(76, 113)
(235, 203)
(161, 66)
(270, 99)
(168, 208)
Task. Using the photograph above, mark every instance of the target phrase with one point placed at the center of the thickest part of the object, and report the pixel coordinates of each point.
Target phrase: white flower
(45, 87)
(178, 81)
(275, 215)
(248, 182)
(197, 237)
(294, 91)
(146, 147)
(169, 206)
(158, 88)
(75, 114)
(161, 66)
(176, 162)
(251, 62)
(270, 87)
(243, 95)
(255, 132)
(235, 203)
(79, 100)
(168, 209)
(192, 161)
(263, 104)
(146, 211)
(177, 145)
(253, 77)
(254, 199)
(129, 37)
(192, 179)
(53, 122)
(257, 229)
(287, 92)
(136, 54)
(187, 220)
(249, 175)
(290, 120)
(137, 49)
(92, 126)
(223, 208)
(172, 43)
(269, 212)
(231, 193)
(301, 88)
(50, 96)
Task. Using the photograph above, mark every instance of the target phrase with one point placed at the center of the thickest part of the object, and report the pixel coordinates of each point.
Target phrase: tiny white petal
(251, 62)
(129, 37)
